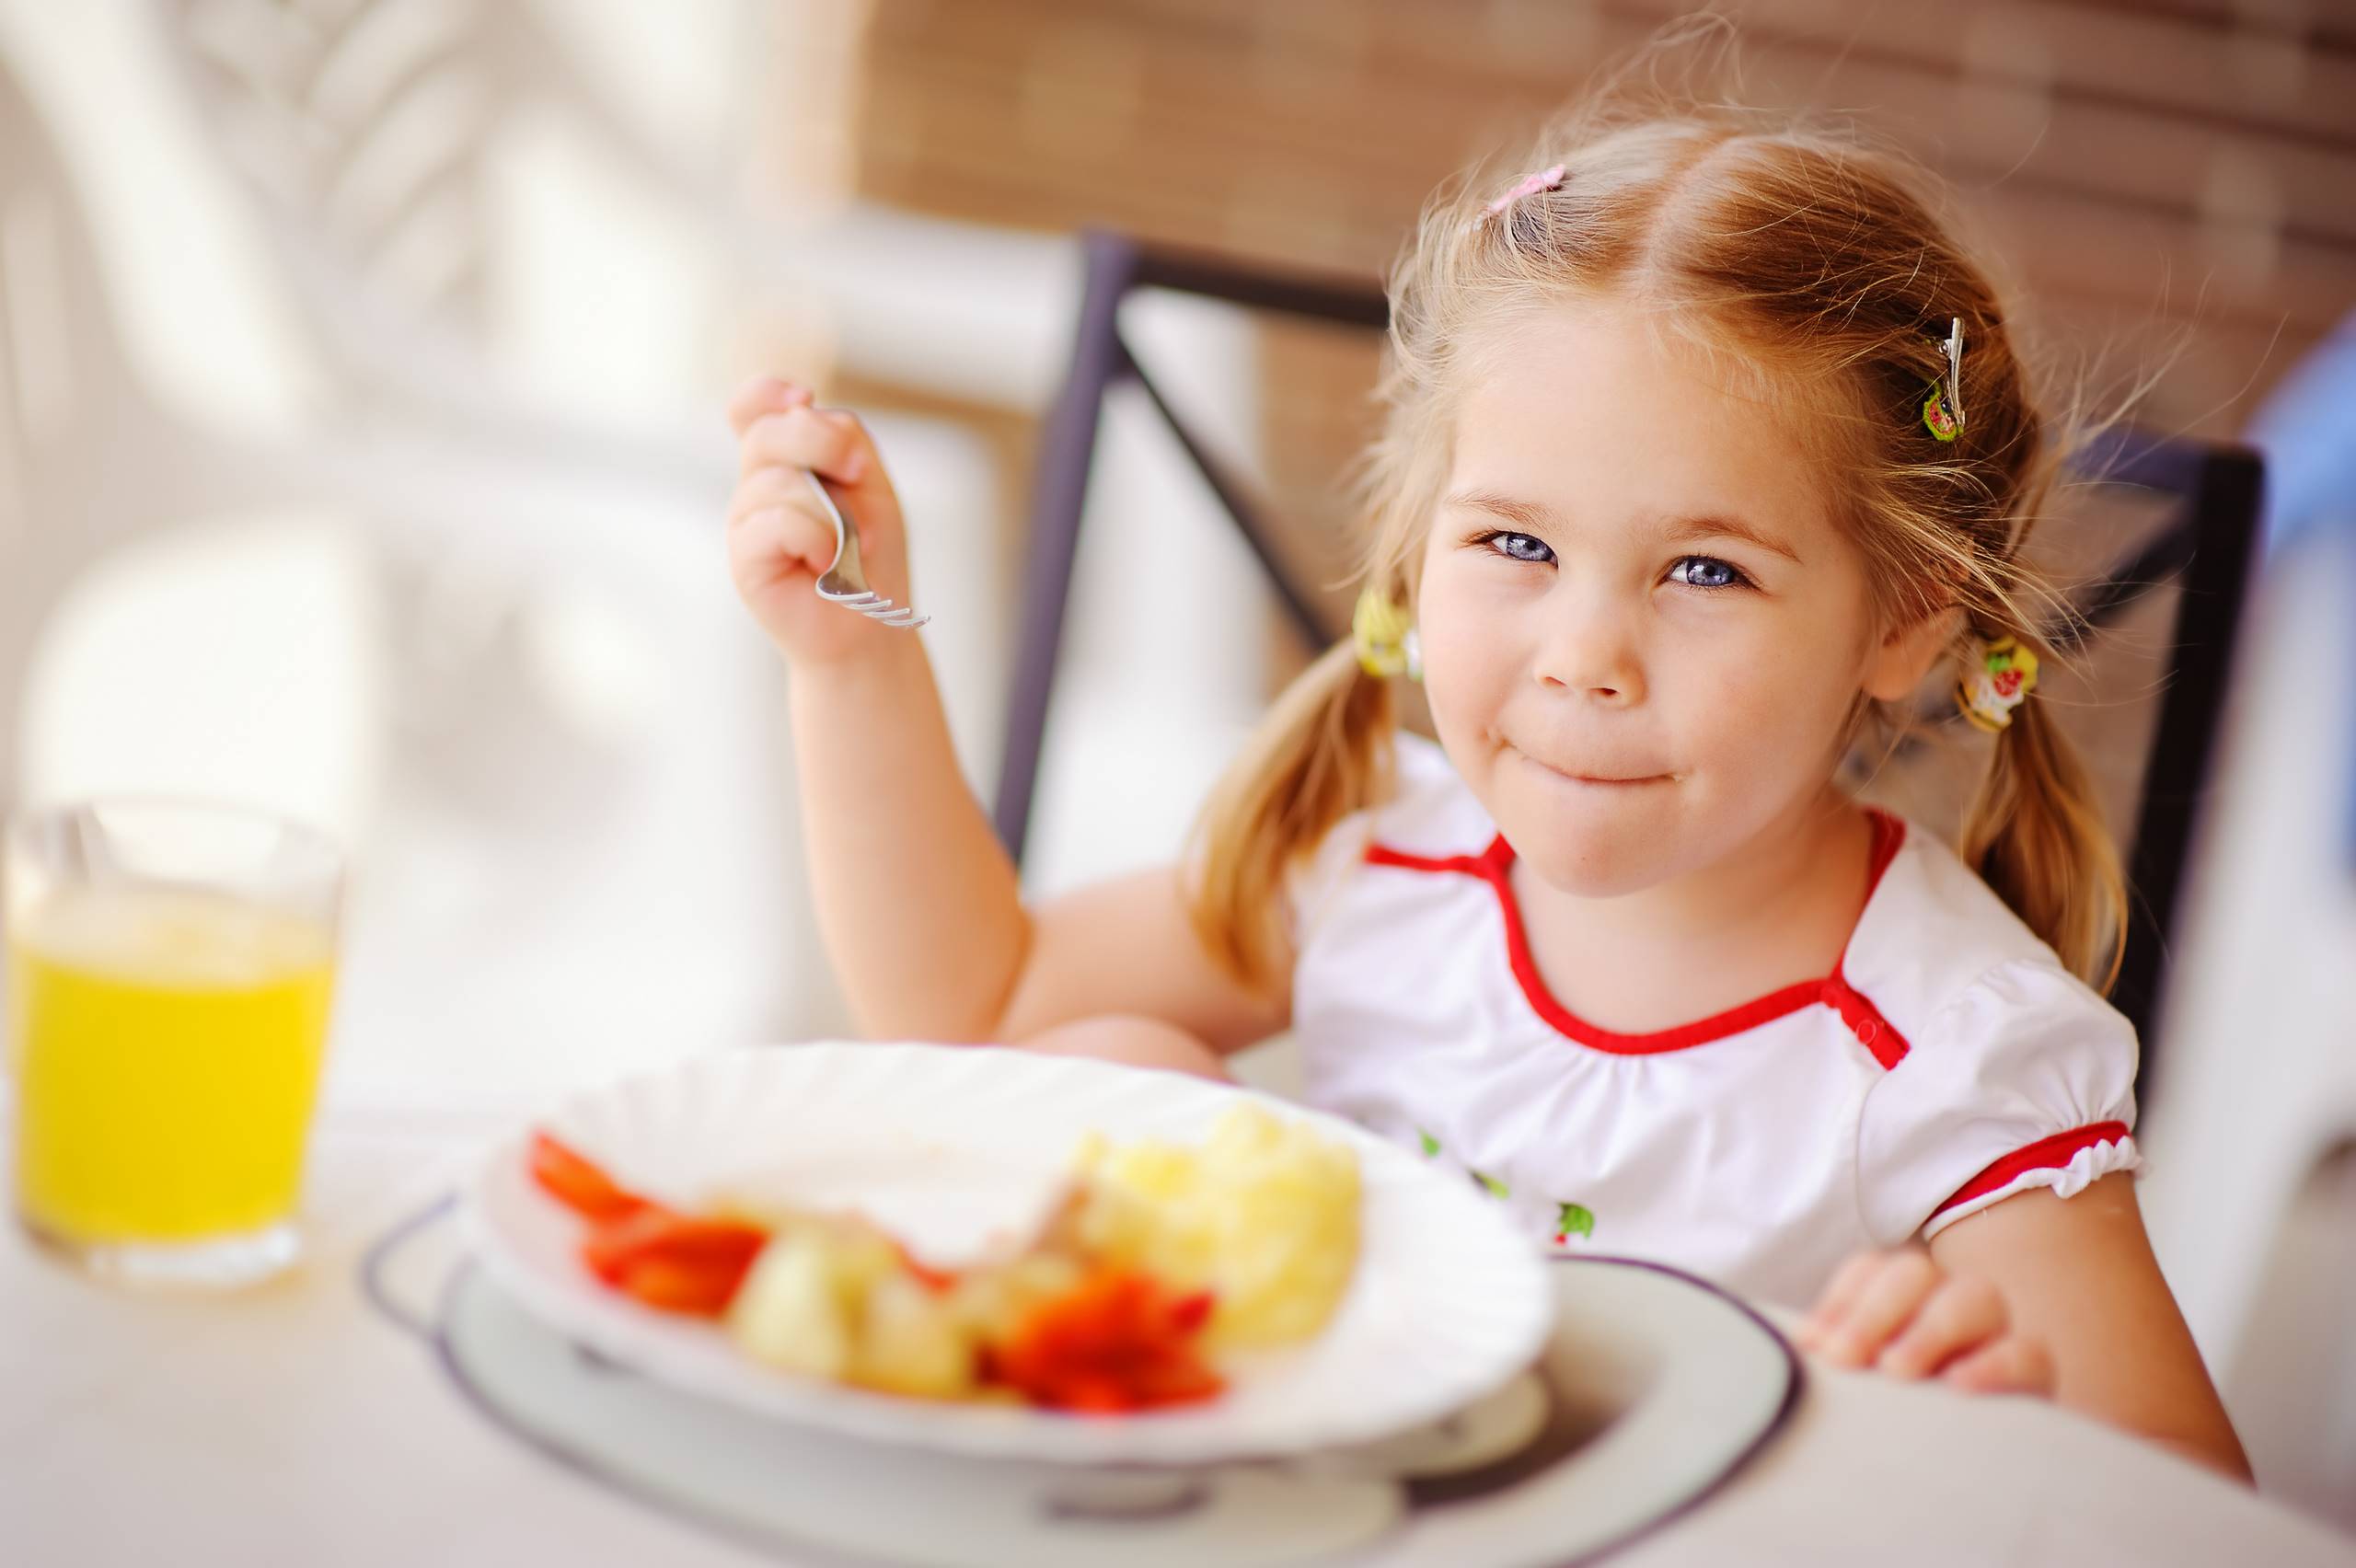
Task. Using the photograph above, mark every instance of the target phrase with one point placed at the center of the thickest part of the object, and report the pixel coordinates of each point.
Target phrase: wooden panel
(2223, 68)
(2173, 185)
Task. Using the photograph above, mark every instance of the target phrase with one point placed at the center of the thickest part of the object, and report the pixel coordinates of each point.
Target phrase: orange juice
(166, 1044)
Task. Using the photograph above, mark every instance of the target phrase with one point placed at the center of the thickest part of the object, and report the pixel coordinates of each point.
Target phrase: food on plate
(1156, 1255)
(834, 1297)
(678, 1262)
(1264, 1217)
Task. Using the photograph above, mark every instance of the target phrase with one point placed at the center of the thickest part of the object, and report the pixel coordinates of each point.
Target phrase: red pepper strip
(1189, 1313)
(577, 1184)
(1118, 1340)
(699, 1290)
(1089, 1395)
(723, 1250)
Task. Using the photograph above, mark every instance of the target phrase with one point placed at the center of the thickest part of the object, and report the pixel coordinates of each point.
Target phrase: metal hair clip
(1942, 409)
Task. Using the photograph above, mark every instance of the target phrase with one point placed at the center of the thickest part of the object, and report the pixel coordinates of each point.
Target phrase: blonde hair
(1816, 259)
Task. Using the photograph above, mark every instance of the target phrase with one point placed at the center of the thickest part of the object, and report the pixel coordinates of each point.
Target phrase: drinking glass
(169, 970)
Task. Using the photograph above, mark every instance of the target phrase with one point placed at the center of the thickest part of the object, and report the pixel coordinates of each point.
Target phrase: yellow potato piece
(804, 1306)
(791, 1311)
(1264, 1214)
(913, 1341)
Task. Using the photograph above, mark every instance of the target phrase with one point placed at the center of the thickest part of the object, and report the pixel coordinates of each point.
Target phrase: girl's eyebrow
(1687, 530)
(1523, 513)
(1681, 530)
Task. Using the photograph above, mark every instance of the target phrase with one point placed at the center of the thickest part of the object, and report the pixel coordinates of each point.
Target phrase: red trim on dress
(2045, 1154)
(1873, 1031)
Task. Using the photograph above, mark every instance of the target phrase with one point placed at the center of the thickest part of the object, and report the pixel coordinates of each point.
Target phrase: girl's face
(1643, 636)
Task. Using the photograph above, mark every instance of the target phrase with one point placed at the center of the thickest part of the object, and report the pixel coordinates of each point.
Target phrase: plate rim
(1796, 1385)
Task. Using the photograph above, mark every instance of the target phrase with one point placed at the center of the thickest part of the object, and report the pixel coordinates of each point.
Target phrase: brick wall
(2172, 181)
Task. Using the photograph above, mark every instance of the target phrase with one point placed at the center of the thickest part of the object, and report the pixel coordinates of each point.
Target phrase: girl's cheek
(1455, 648)
(1790, 699)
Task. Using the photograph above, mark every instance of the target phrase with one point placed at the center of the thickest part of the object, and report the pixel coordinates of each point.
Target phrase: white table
(291, 1425)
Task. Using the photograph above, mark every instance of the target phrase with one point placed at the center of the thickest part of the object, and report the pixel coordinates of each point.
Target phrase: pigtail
(1324, 750)
(2034, 832)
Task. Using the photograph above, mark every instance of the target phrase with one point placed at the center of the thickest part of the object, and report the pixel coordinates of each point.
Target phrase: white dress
(1949, 1062)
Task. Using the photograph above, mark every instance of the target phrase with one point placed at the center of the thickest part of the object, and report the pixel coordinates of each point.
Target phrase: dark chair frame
(2208, 545)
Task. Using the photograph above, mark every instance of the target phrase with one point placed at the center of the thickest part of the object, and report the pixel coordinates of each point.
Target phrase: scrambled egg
(1264, 1214)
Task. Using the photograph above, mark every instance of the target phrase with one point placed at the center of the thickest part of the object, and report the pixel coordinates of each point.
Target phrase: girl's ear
(1905, 654)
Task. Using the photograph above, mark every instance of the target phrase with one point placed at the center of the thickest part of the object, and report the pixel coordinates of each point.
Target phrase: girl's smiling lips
(1596, 779)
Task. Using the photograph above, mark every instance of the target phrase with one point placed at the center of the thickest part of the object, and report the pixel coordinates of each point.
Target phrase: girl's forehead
(1589, 400)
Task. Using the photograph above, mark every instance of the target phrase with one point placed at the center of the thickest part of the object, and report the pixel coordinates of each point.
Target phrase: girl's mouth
(1607, 779)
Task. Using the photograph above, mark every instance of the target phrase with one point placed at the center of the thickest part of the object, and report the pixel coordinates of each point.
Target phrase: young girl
(1704, 441)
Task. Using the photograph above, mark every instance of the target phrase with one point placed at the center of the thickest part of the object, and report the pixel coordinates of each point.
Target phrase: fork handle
(845, 535)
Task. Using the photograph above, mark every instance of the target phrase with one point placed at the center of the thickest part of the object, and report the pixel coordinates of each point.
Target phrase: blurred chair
(1115, 267)
(89, 464)
(2261, 1108)
(376, 141)
(373, 136)
(552, 894)
(2205, 543)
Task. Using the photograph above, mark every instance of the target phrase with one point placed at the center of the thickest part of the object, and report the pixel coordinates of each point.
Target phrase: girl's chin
(1594, 861)
(1600, 841)
(1589, 870)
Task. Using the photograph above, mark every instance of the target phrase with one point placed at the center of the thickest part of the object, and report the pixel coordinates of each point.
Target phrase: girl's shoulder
(1429, 812)
(1933, 932)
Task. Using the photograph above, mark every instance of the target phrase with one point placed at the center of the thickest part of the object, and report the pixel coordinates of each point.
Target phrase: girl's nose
(1587, 651)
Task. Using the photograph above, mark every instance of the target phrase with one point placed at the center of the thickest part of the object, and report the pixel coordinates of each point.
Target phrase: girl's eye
(1708, 571)
(1518, 546)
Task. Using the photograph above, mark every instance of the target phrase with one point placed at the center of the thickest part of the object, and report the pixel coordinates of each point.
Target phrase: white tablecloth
(293, 1425)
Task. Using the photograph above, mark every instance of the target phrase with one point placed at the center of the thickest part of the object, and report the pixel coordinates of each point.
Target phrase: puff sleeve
(2024, 1079)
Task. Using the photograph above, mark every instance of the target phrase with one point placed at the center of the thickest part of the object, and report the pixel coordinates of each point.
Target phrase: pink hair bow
(1531, 184)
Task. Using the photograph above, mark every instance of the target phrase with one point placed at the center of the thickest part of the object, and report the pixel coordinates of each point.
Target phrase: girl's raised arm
(919, 908)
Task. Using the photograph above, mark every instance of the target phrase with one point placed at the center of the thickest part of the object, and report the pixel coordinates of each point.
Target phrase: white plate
(1653, 1391)
(948, 1146)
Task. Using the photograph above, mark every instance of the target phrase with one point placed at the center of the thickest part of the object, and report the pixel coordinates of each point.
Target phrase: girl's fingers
(829, 440)
(2013, 1364)
(781, 533)
(771, 487)
(1835, 1306)
(764, 394)
(1962, 1315)
(1885, 1304)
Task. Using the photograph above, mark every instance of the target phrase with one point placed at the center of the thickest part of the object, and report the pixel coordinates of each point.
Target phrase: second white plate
(948, 1146)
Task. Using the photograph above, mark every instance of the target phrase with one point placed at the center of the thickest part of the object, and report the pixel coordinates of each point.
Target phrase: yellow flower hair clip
(1385, 634)
(2000, 682)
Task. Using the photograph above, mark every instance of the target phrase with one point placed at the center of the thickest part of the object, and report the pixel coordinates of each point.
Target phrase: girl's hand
(1898, 1312)
(779, 537)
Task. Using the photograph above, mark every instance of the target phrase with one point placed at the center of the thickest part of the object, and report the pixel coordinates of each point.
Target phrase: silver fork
(843, 582)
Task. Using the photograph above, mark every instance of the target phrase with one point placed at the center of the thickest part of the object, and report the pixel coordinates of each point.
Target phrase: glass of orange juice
(169, 969)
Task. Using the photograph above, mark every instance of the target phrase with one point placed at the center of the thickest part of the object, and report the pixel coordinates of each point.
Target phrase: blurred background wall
(2173, 181)
(361, 452)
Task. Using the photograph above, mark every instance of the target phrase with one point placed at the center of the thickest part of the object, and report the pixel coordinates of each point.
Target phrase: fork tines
(875, 606)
